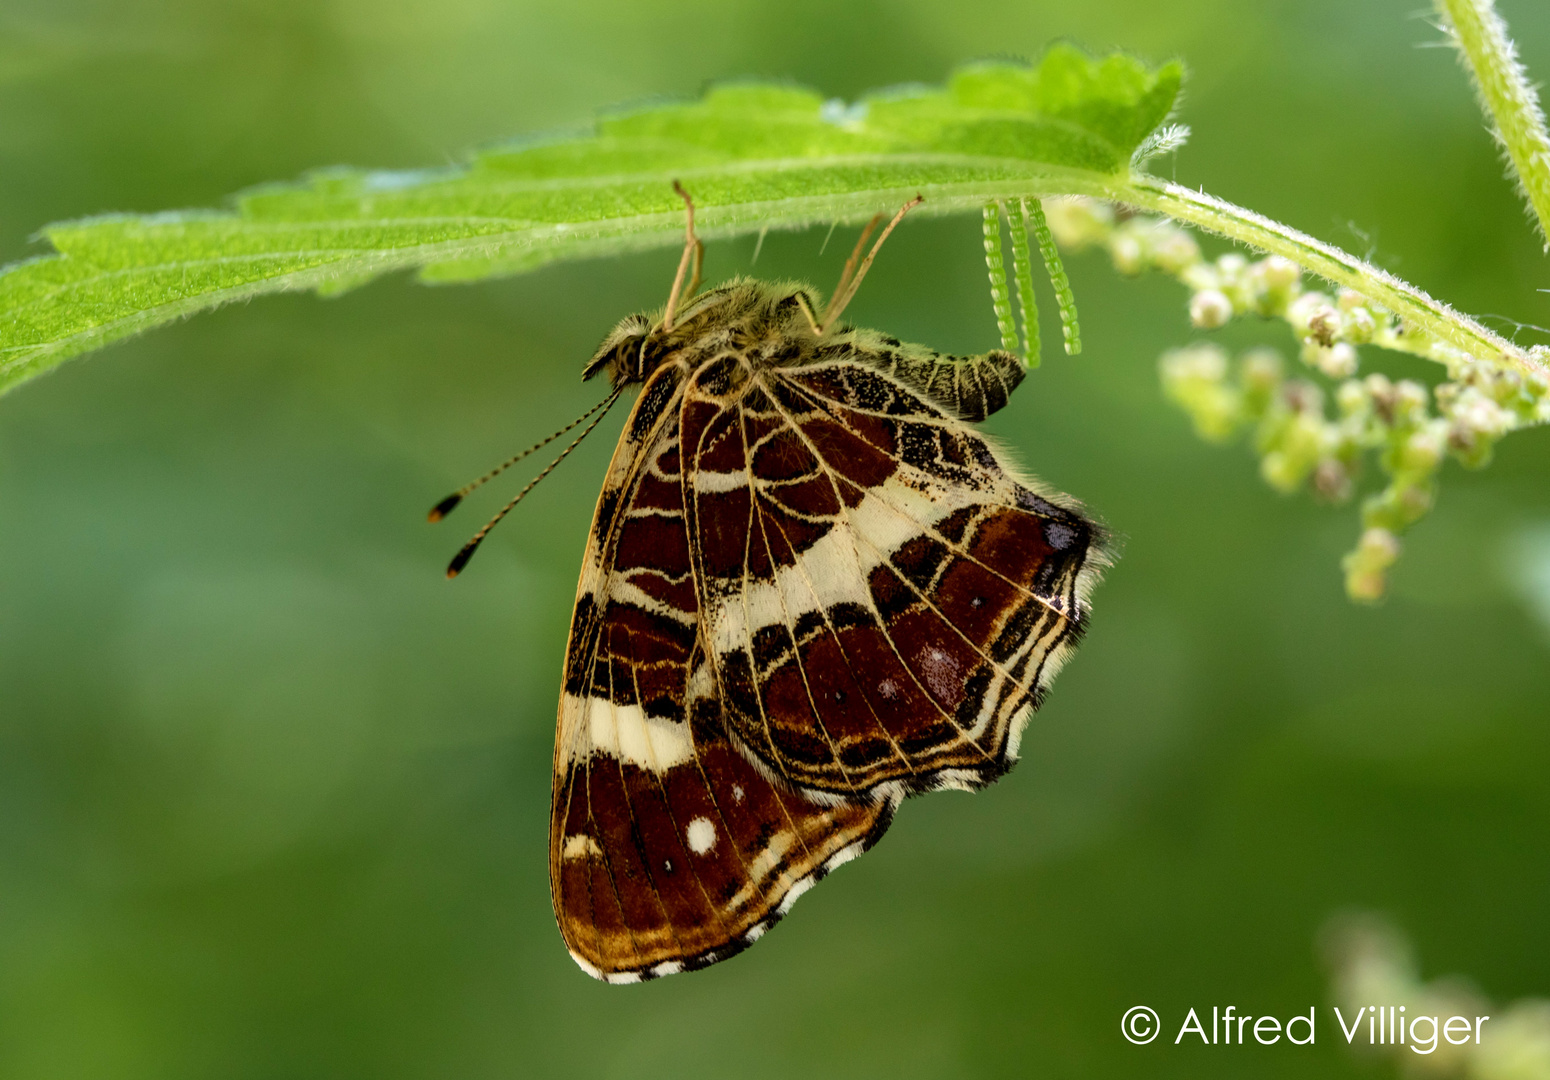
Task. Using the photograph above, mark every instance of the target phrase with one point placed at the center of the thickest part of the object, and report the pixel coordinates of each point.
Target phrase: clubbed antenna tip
(443, 508)
(460, 560)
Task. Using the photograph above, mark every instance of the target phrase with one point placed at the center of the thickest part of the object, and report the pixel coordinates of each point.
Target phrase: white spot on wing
(701, 835)
(624, 732)
(709, 482)
(578, 845)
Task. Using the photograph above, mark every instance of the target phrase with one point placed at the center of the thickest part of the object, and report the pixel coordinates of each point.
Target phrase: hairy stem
(1421, 313)
(1506, 95)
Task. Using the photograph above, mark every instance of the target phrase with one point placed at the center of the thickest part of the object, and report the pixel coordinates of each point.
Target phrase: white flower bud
(1360, 325)
(1232, 265)
(1308, 308)
(1261, 369)
(1207, 362)
(1174, 250)
(1423, 450)
(1332, 480)
(1381, 392)
(1202, 275)
(1507, 385)
(1126, 251)
(1366, 568)
(1351, 397)
(1279, 272)
(1079, 223)
(1479, 415)
(1339, 361)
(1196, 378)
(1380, 543)
(1210, 309)
(1410, 398)
(1302, 396)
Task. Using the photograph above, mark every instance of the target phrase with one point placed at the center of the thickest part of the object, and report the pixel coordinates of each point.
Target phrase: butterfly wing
(883, 598)
(668, 848)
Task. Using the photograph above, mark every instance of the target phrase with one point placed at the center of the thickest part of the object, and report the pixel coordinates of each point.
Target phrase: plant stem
(1506, 96)
(1418, 311)
(1454, 334)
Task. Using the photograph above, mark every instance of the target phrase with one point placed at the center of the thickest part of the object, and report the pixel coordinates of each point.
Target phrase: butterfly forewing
(669, 849)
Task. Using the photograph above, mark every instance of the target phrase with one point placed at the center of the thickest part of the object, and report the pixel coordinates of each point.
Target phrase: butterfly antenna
(460, 560)
(693, 249)
(847, 291)
(445, 507)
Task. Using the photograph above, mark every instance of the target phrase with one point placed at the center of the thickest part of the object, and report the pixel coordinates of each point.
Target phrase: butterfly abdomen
(969, 387)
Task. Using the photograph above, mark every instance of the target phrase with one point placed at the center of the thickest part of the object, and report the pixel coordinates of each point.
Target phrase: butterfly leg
(850, 282)
(850, 266)
(693, 250)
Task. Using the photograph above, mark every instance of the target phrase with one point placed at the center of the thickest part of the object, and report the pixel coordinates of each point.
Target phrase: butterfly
(810, 590)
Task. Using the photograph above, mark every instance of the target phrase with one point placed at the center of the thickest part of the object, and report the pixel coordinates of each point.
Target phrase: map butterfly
(811, 589)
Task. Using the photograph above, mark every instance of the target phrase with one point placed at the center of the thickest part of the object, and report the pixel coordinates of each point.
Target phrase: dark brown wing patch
(657, 871)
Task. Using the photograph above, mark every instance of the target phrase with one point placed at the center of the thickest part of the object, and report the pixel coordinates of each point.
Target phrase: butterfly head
(634, 349)
(630, 352)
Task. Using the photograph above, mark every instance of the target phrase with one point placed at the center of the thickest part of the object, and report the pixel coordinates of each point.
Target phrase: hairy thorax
(732, 333)
(757, 322)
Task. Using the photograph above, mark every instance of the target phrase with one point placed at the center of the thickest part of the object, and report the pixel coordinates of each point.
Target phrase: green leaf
(754, 155)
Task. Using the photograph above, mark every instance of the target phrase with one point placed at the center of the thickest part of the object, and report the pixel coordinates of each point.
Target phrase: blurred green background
(273, 794)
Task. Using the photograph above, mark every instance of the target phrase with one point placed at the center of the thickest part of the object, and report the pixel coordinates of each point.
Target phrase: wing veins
(667, 803)
(686, 481)
(923, 598)
(753, 502)
(635, 834)
(844, 512)
(797, 655)
(929, 528)
(605, 572)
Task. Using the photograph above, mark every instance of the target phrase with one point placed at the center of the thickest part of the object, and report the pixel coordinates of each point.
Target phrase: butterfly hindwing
(882, 597)
(669, 849)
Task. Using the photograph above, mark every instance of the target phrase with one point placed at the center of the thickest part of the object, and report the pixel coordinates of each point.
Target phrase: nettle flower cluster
(1316, 422)
(1373, 967)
